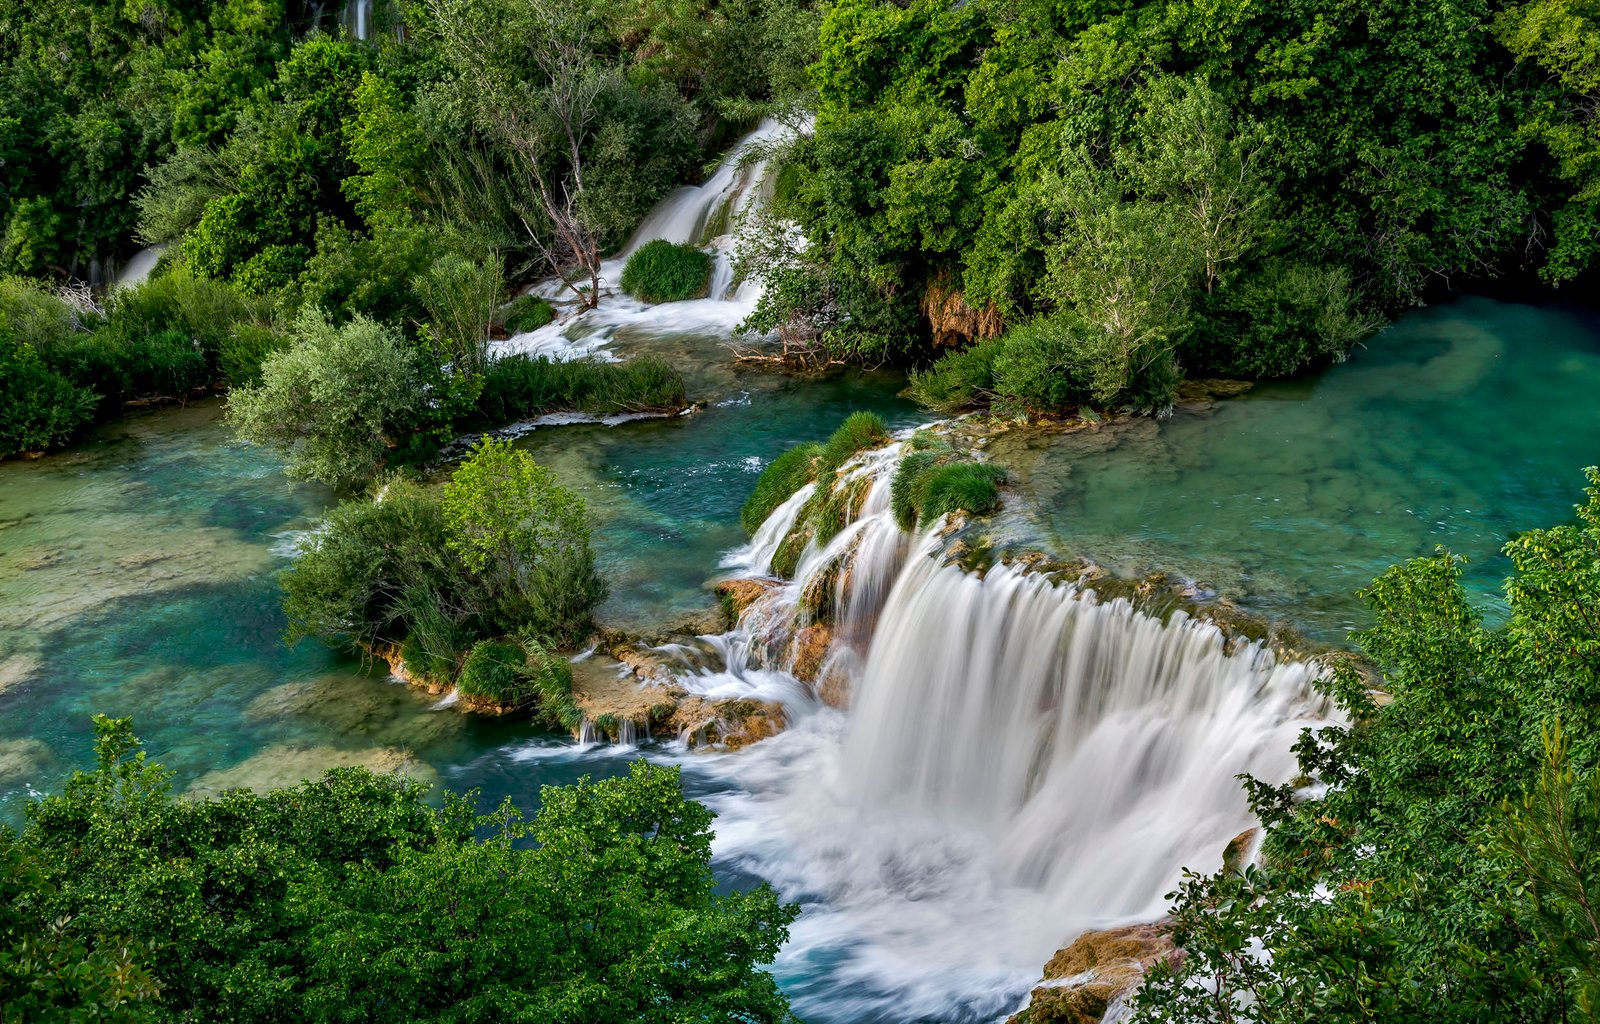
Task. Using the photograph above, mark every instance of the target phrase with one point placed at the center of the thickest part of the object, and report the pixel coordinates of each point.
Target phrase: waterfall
(704, 215)
(1096, 743)
(139, 266)
(358, 18)
(1021, 761)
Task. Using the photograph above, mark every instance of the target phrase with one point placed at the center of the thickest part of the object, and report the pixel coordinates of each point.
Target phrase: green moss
(902, 491)
(662, 271)
(787, 558)
(959, 486)
(785, 475)
(528, 313)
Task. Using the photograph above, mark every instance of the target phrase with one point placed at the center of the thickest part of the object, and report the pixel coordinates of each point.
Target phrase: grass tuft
(785, 475)
(662, 271)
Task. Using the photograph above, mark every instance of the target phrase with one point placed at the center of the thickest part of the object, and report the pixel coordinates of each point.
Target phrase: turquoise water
(137, 578)
(1458, 426)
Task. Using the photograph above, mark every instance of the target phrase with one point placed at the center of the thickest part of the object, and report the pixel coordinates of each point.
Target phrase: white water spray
(1021, 762)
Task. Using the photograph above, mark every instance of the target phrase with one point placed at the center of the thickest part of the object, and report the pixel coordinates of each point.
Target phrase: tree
(335, 402)
(351, 898)
(526, 537)
(536, 82)
(1410, 890)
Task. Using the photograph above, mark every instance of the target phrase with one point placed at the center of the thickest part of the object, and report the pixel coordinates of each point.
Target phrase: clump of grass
(662, 271)
(528, 313)
(493, 670)
(520, 386)
(785, 475)
(522, 674)
(859, 431)
(935, 481)
(959, 380)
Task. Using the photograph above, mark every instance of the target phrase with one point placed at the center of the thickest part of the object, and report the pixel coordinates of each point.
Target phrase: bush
(522, 675)
(935, 481)
(958, 381)
(785, 475)
(334, 403)
(1278, 321)
(494, 671)
(352, 274)
(525, 539)
(39, 408)
(373, 571)
(662, 271)
(859, 431)
(520, 387)
(527, 313)
(245, 350)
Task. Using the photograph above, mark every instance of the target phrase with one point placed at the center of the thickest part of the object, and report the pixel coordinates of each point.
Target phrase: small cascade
(358, 18)
(139, 266)
(704, 215)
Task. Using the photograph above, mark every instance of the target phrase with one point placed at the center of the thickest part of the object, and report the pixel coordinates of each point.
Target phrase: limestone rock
(740, 594)
(1094, 970)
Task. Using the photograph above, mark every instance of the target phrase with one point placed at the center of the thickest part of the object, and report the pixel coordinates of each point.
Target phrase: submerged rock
(289, 764)
(1096, 970)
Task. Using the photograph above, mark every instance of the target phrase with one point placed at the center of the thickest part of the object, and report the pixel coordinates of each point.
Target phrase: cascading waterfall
(705, 215)
(1021, 762)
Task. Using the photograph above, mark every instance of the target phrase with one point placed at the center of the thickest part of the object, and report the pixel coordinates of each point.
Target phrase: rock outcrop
(1095, 971)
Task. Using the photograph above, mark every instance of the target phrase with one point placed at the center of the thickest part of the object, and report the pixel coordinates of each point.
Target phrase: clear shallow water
(1458, 426)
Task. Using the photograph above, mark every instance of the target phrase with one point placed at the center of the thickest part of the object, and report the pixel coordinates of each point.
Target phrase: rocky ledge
(1096, 974)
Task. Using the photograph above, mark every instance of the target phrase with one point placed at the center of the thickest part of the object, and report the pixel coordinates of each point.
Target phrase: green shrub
(959, 380)
(245, 350)
(524, 539)
(859, 431)
(353, 274)
(39, 408)
(373, 571)
(785, 475)
(494, 670)
(520, 387)
(334, 403)
(528, 313)
(935, 481)
(1278, 321)
(662, 271)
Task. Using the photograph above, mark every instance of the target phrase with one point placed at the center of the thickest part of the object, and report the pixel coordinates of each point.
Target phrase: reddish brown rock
(1084, 977)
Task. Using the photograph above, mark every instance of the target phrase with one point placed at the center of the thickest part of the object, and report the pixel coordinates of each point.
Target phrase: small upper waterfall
(358, 18)
(704, 215)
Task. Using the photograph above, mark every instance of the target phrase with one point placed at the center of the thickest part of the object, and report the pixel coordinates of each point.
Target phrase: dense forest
(1040, 209)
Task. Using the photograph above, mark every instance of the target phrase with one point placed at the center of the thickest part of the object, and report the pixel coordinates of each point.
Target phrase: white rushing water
(1021, 762)
(705, 215)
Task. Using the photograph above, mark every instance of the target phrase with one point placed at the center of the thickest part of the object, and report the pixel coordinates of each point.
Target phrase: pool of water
(1458, 426)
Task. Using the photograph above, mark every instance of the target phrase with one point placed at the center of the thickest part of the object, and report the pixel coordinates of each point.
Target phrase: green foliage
(461, 296)
(858, 432)
(959, 380)
(518, 387)
(785, 475)
(39, 408)
(1278, 322)
(333, 403)
(933, 479)
(522, 675)
(527, 313)
(351, 897)
(662, 271)
(526, 538)
(1441, 876)
(493, 671)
